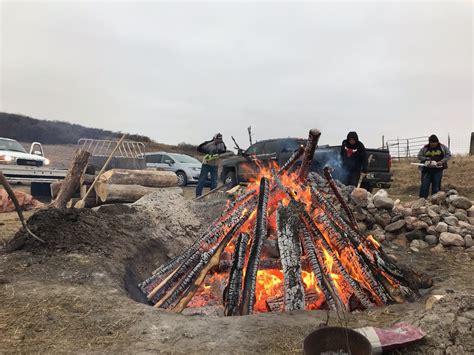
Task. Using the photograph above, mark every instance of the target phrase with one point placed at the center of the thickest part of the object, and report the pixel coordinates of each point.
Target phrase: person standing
(435, 158)
(212, 149)
(354, 159)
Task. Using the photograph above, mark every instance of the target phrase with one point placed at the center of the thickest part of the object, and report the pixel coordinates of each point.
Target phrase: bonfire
(324, 261)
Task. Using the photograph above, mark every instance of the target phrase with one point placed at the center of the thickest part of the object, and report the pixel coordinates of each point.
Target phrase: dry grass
(459, 176)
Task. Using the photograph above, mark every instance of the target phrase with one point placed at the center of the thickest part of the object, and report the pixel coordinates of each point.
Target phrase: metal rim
(181, 179)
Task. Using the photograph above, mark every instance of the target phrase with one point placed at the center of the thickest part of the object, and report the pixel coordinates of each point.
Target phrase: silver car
(186, 167)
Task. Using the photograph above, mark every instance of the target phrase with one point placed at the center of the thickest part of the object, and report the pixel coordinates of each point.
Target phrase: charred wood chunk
(290, 253)
(308, 154)
(248, 297)
(290, 163)
(234, 287)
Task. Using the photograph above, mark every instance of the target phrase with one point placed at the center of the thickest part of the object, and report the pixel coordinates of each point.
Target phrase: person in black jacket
(354, 159)
(211, 149)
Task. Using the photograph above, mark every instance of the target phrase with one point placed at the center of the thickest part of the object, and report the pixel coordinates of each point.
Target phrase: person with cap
(434, 156)
(211, 150)
(354, 160)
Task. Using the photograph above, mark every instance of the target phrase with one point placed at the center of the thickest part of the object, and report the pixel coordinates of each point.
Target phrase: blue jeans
(205, 170)
(433, 179)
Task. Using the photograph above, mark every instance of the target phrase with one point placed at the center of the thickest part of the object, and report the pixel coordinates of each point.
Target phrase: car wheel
(182, 179)
(230, 179)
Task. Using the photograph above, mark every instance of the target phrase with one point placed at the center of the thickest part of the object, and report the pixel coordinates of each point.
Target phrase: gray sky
(179, 72)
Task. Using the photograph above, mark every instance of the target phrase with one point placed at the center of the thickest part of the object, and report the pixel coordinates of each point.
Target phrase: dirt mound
(79, 230)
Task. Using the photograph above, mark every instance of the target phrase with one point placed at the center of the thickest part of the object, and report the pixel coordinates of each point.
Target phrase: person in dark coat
(212, 149)
(435, 157)
(354, 159)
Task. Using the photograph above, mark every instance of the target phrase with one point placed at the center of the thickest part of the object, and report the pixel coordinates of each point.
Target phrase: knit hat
(352, 134)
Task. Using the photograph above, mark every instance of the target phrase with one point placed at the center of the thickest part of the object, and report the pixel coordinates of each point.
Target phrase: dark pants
(430, 178)
(205, 170)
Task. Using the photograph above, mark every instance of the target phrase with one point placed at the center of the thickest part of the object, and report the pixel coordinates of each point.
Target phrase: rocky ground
(77, 292)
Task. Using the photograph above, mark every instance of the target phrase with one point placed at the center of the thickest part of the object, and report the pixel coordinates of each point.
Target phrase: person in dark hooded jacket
(354, 159)
(212, 150)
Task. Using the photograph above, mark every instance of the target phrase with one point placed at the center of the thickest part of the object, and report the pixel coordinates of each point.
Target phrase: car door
(168, 163)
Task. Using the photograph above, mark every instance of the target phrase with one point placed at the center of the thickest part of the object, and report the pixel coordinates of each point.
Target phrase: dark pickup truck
(244, 167)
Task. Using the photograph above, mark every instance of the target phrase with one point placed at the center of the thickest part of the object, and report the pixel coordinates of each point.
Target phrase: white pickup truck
(20, 166)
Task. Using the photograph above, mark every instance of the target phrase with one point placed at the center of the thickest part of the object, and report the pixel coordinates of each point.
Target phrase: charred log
(248, 296)
(290, 254)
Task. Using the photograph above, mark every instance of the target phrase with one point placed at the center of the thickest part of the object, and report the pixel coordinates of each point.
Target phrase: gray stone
(401, 241)
(415, 234)
(435, 208)
(467, 226)
(395, 226)
(416, 250)
(419, 244)
(450, 199)
(438, 197)
(381, 193)
(359, 216)
(369, 220)
(451, 239)
(452, 192)
(362, 226)
(460, 216)
(438, 249)
(432, 230)
(436, 219)
(421, 202)
(425, 218)
(451, 220)
(462, 202)
(451, 209)
(420, 225)
(470, 250)
(383, 202)
(454, 229)
(383, 219)
(392, 236)
(468, 242)
(441, 227)
(406, 211)
(396, 217)
(431, 213)
(464, 212)
(431, 239)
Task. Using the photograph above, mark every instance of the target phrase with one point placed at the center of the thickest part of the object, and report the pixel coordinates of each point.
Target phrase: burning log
(248, 296)
(276, 304)
(290, 254)
(290, 163)
(335, 190)
(308, 155)
(232, 294)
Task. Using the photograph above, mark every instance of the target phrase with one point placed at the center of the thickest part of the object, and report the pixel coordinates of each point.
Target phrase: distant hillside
(27, 129)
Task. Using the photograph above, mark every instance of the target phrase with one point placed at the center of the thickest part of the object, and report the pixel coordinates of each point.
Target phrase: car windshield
(6, 144)
(186, 159)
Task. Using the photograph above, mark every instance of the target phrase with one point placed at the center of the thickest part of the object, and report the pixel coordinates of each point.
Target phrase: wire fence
(408, 148)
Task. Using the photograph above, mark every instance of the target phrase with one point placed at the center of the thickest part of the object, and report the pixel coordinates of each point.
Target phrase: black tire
(182, 178)
(230, 179)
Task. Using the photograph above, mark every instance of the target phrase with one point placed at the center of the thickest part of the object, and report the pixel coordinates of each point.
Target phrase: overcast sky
(179, 72)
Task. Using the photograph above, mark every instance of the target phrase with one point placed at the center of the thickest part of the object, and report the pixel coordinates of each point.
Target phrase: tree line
(26, 129)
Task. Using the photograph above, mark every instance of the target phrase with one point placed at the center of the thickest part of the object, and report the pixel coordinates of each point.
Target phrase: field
(77, 292)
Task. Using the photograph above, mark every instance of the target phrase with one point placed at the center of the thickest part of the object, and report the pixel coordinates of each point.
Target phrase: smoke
(330, 157)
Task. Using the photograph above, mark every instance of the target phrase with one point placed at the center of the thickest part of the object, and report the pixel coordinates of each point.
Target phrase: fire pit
(323, 260)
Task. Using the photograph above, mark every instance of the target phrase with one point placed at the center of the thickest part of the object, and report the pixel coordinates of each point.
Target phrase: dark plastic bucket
(336, 340)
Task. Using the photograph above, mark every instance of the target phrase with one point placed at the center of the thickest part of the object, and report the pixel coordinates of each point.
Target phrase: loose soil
(77, 291)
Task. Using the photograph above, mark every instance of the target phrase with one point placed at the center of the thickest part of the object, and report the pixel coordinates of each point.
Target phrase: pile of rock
(445, 220)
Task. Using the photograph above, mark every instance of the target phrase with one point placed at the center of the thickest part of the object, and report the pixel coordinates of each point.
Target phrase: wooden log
(248, 293)
(83, 191)
(71, 182)
(89, 202)
(290, 254)
(55, 188)
(277, 303)
(112, 193)
(148, 178)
